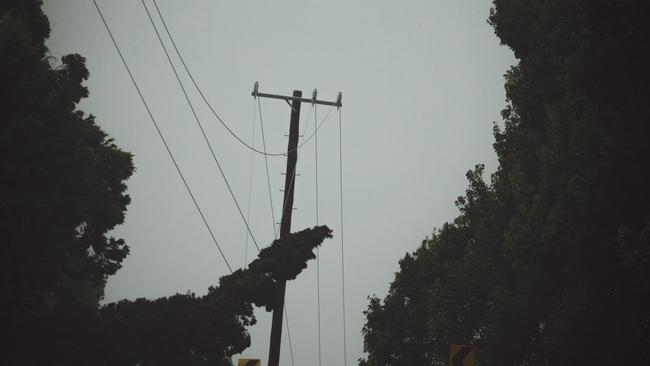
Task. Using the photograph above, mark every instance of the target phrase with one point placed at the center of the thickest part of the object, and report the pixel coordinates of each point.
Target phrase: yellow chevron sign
(460, 355)
(249, 362)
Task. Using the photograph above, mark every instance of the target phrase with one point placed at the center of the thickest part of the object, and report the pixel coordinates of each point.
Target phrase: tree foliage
(188, 330)
(547, 264)
(62, 178)
(183, 329)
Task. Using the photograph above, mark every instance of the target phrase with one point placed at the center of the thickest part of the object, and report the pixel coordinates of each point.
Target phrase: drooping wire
(212, 110)
(266, 164)
(345, 358)
(317, 248)
(250, 185)
(200, 126)
(306, 124)
(162, 138)
(268, 179)
(284, 203)
(286, 317)
(316, 130)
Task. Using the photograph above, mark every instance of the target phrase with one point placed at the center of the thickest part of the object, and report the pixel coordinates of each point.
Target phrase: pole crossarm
(289, 99)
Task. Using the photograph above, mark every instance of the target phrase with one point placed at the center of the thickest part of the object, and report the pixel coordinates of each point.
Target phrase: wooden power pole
(285, 225)
(287, 208)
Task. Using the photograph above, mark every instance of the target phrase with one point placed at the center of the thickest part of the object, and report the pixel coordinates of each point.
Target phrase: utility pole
(287, 208)
(285, 226)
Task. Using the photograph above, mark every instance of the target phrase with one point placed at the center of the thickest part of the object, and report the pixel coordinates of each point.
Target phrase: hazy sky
(422, 83)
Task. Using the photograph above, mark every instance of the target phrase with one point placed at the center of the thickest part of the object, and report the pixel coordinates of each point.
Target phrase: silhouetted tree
(61, 182)
(548, 263)
(191, 330)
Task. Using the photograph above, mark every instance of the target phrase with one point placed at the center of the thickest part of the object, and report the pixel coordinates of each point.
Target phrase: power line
(250, 188)
(266, 164)
(306, 124)
(316, 161)
(286, 318)
(345, 358)
(198, 122)
(162, 138)
(200, 91)
(317, 248)
(316, 130)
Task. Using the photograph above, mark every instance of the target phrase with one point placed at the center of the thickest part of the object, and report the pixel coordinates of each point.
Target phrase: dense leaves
(183, 329)
(548, 263)
(190, 330)
(61, 180)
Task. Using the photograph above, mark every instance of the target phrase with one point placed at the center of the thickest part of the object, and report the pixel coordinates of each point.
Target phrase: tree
(185, 329)
(62, 180)
(547, 264)
(438, 296)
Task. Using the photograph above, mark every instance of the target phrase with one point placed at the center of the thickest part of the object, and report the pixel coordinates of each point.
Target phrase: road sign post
(249, 362)
(461, 355)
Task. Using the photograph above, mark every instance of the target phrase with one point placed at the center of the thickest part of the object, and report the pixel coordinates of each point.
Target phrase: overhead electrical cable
(266, 164)
(305, 130)
(315, 131)
(162, 138)
(205, 99)
(317, 249)
(305, 123)
(286, 317)
(345, 358)
(198, 122)
(250, 186)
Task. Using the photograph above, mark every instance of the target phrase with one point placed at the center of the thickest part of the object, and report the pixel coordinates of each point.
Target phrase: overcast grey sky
(422, 83)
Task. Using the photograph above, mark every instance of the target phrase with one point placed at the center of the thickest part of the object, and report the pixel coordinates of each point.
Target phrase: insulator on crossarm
(256, 89)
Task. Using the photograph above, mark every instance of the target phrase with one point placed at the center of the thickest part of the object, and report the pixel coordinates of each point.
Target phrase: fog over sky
(422, 83)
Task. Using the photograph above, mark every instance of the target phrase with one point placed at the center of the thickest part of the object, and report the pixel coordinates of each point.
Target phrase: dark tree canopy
(63, 178)
(61, 181)
(188, 330)
(548, 263)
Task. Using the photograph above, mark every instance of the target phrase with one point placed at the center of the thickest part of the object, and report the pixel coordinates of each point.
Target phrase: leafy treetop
(547, 264)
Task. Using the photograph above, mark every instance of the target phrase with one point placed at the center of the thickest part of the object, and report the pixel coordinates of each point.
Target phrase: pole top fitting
(313, 96)
(338, 100)
(255, 89)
